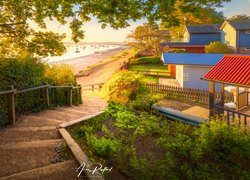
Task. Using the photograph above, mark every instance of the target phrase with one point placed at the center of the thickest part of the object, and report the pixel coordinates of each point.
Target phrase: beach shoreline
(100, 72)
(83, 62)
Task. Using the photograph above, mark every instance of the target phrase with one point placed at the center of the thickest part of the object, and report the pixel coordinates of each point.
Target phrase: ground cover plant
(140, 143)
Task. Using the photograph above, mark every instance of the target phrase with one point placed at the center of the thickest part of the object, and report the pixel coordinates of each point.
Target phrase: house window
(247, 48)
(247, 31)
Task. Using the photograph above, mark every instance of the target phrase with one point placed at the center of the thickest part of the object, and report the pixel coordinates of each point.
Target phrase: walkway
(29, 149)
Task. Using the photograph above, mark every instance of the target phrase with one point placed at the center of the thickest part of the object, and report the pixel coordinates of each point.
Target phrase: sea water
(76, 51)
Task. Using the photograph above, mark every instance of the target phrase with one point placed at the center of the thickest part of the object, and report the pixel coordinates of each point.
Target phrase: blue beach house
(236, 34)
(195, 38)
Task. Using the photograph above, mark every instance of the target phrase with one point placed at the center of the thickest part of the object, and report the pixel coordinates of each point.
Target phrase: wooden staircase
(28, 148)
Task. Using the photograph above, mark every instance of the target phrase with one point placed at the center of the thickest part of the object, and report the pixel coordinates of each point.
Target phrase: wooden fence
(154, 73)
(92, 87)
(41, 91)
(231, 115)
(197, 95)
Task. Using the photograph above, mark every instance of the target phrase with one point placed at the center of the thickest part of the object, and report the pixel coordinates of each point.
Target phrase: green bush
(104, 147)
(60, 74)
(21, 73)
(123, 87)
(147, 60)
(176, 50)
(218, 48)
(27, 72)
(214, 151)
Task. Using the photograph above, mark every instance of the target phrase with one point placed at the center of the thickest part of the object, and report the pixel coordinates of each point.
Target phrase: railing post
(46, 97)
(80, 93)
(11, 107)
(211, 98)
(70, 96)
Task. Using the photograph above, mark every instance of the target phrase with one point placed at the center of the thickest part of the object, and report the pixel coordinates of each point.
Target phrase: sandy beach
(80, 63)
(100, 72)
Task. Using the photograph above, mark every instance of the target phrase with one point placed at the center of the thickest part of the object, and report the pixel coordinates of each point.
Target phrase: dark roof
(180, 44)
(232, 69)
(191, 59)
(240, 24)
(203, 29)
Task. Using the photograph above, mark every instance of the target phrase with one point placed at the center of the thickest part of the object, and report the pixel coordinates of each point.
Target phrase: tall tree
(15, 15)
(148, 38)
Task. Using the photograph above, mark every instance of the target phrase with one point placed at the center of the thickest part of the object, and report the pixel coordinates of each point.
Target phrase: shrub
(60, 74)
(214, 151)
(123, 87)
(21, 73)
(217, 48)
(104, 147)
(175, 50)
(149, 60)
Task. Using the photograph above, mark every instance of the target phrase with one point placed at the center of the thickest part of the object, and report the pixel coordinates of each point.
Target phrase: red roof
(231, 69)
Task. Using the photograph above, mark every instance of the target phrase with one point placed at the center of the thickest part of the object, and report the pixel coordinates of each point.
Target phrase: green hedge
(31, 72)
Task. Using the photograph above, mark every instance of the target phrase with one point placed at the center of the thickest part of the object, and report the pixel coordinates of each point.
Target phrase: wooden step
(23, 156)
(36, 121)
(58, 115)
(59, 171)
(25, 134)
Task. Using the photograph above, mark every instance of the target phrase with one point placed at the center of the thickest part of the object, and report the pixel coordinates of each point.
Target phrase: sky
(94, 32)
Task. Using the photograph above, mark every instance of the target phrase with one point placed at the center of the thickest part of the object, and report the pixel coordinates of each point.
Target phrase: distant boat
(77, 50)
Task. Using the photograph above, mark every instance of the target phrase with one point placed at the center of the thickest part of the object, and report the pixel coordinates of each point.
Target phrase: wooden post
(222, 98)
(70, 96)
(247, 96)
(80, 93)
(237, 98)
(211, 98)
(46, 97)
(11, 107)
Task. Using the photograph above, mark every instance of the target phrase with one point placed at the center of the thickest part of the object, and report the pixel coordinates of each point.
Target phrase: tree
(217, 48)
(148, 38)
(239, 17)
(16, 15)
(199, 17)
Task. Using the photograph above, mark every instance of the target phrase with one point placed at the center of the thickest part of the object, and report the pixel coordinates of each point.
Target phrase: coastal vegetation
(218, 48)
(139, 142)
(28, 72)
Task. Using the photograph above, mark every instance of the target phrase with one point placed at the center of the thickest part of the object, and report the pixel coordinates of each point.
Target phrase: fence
(154, 73)
(92, 87)
(15, 102)
(231, 115)
(198, 95)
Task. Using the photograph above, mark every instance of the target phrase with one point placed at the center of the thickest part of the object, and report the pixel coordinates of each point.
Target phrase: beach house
(236, 34)
(195, 38)
(233, 74)
(190, 67)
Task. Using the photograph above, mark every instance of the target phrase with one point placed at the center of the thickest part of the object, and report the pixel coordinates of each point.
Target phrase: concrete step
(36, 121)
(25, 134)
(60, 171)
(24, 156)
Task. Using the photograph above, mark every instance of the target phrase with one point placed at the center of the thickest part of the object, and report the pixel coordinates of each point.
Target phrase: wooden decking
(204, 113)
(198, 111)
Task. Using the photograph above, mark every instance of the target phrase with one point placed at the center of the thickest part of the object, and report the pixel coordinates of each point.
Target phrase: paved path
(28, 148)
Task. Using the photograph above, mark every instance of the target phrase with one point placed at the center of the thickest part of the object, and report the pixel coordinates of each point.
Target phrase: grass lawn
(152, 66)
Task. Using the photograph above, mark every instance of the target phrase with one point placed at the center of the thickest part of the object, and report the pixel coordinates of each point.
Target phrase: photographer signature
(93, 170)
